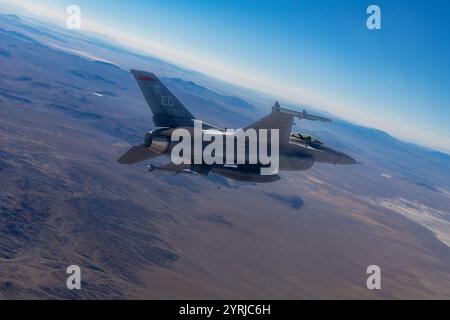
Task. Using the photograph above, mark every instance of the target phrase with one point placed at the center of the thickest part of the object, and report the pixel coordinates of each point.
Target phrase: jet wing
(282, 119)
(171, 167)
(276, 120)
(301, 115)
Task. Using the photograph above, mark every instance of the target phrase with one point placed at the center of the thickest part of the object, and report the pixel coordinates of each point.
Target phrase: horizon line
(337, 106)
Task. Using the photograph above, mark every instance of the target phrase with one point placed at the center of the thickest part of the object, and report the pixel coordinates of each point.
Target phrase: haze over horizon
(89, 182)
(380, 79)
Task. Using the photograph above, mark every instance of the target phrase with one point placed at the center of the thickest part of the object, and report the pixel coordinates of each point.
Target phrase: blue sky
(396, 78)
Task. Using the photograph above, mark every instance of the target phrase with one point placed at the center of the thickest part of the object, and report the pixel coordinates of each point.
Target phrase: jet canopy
(306, 137)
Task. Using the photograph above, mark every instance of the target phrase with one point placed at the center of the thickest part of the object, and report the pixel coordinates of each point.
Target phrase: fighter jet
(297, 151)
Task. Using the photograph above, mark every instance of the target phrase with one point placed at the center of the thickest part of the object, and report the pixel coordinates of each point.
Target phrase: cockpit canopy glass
(306, 137)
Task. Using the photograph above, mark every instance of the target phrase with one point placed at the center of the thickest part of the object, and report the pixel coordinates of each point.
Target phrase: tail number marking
(167, 101)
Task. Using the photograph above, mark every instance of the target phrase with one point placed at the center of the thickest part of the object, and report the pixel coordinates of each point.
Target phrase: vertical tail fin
(167, 110)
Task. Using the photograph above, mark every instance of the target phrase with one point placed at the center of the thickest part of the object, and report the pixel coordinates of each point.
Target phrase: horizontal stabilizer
(137, 154)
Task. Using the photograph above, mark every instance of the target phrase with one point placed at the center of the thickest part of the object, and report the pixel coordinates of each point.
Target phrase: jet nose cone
(347, 160)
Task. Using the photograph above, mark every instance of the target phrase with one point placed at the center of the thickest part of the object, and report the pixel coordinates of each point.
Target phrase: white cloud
(343, 107)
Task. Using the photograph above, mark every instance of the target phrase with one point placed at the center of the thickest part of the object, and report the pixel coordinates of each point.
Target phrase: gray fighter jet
(297, 151)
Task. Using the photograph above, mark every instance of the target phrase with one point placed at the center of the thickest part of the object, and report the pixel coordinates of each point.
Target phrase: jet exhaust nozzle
(156, 143)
